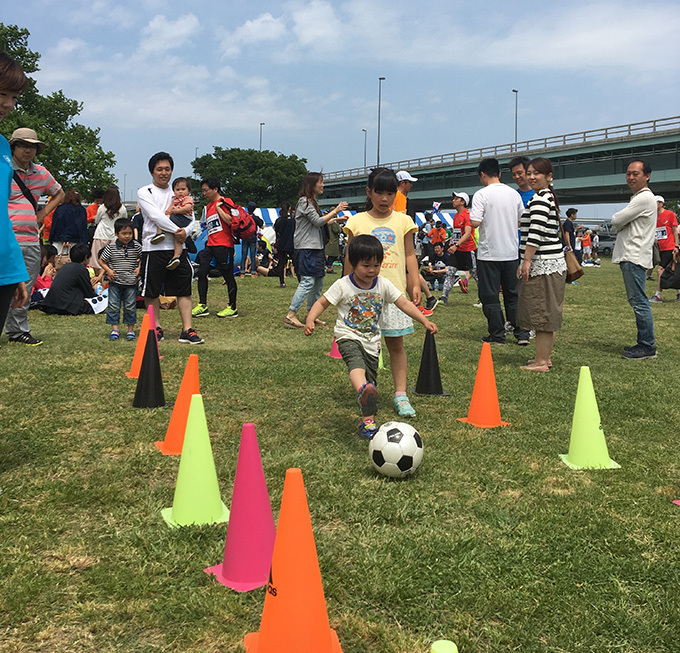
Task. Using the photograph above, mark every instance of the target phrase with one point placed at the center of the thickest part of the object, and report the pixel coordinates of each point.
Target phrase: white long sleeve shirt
(635, 226)
(153, 202)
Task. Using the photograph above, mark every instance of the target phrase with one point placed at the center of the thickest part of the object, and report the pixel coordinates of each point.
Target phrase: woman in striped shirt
(542, 271)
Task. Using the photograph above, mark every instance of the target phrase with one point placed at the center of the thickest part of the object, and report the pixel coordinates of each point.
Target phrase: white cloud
(257, 31)
(161, 34)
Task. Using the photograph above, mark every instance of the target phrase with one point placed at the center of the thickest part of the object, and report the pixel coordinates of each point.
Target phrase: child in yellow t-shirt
(395, 232)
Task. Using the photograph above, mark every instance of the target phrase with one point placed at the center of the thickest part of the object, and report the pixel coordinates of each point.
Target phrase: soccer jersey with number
(219, 232)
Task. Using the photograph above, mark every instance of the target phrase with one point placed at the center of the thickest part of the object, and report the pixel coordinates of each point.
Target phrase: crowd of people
(510, 241)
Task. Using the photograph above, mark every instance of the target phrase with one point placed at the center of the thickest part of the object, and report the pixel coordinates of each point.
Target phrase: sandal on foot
(532, 361)
(535, 368)
(115, 334)
(292, 323)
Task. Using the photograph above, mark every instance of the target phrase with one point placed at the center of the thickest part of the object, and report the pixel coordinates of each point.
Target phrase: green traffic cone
(197, 493)
(587, 446)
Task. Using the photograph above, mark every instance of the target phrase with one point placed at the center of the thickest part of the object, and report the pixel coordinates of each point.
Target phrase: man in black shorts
(156, 279)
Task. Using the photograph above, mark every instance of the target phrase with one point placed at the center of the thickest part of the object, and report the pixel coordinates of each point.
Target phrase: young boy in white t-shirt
(360, 298)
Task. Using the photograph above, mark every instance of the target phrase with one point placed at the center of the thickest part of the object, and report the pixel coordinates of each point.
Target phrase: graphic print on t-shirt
(364, 313)
(387, 239)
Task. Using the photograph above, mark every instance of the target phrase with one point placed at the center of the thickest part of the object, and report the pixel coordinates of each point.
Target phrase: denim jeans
(125, 295)
(492, 275)
(247, 246)
(634, 281)
(309, 287)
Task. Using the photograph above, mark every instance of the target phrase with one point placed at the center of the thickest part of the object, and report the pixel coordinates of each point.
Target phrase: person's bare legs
(397, 362)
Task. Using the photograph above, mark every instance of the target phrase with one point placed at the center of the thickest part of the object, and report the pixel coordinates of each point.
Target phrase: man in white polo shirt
(496, 210)
(156, 279)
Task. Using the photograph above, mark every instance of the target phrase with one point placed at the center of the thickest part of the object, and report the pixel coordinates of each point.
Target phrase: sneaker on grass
(115, 334)
(190, 337)
(403, 406)
(464, 285)
(367, 429)
(425, 311)
(655, 299)
(431, 303)
(494, 341)
(26, 339)
(639, 352)
(159, 334)
(228, 312)
(200, 310)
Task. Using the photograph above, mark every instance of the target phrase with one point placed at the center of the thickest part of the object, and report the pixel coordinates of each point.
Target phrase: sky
(188, 76)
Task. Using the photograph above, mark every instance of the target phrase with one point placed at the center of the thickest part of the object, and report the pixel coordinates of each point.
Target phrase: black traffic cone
(149, 393)
(429, 380)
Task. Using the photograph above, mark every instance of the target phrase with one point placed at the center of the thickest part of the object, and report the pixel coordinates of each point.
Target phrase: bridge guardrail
(600, 135)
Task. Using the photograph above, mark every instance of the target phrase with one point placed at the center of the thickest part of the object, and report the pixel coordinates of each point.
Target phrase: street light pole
(124, 187)
(261, 126)
(365, 134)
(195, 153)
(380, 81)
(516, 92)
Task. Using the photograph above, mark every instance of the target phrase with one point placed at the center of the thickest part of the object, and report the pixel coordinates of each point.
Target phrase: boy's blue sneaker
(115, 334)
(368, 399)
(130, 335)
(403, 406)
(367, 429)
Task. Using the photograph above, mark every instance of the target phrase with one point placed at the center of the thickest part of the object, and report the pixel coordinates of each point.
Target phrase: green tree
(265, 177)
(73, 153)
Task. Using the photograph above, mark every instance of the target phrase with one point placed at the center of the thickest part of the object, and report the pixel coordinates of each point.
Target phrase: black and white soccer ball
(396, 450)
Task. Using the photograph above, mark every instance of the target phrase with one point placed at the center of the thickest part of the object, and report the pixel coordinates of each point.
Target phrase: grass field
(494, 544)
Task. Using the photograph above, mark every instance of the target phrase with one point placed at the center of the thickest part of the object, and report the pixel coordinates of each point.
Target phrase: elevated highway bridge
(589, 166)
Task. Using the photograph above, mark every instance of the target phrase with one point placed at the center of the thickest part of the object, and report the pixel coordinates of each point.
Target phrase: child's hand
(309, 327)
(136, 271)
(431, 327)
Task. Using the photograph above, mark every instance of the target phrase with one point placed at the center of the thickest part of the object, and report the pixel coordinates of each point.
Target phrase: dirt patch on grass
(70, 561)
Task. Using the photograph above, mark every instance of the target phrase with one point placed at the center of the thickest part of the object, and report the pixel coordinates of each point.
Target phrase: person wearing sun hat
(30, 181)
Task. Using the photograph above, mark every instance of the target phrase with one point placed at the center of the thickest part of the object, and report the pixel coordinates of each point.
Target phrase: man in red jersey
(667, 237)
(220, 245)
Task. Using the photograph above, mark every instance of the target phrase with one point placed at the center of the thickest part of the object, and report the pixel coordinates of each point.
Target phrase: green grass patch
(494, 543)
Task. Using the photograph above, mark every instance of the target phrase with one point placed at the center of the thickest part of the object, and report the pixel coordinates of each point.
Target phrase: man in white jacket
(153, 201)
(635, 226)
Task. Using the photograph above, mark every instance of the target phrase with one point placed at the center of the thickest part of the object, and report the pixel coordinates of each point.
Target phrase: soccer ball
(396, 450)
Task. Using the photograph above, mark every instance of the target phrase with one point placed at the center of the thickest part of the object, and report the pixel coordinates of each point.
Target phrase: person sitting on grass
(181, 212)
(71, 286)
(267, 266)
(121, 260)
(360, 298)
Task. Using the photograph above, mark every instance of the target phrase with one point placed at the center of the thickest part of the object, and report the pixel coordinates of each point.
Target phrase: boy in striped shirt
(121, 260)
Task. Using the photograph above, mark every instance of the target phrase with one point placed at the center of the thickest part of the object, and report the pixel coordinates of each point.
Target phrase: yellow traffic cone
(197, 493)
(587, 447)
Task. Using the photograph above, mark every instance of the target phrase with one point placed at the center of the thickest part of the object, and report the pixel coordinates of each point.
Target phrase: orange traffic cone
(174, 436)
(139, 349)
(294, 617)
(334, 352)
(484, 410)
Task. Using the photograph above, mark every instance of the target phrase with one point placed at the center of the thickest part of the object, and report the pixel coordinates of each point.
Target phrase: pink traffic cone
(334, 352)
(251, 532)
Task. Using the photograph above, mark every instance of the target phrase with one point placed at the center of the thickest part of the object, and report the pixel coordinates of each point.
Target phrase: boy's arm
(109, 271)
(225, 215)
(405, 305)
(320, 305)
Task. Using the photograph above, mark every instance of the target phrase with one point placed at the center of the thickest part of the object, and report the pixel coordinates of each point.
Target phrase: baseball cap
(464, 196)
(403, 175)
